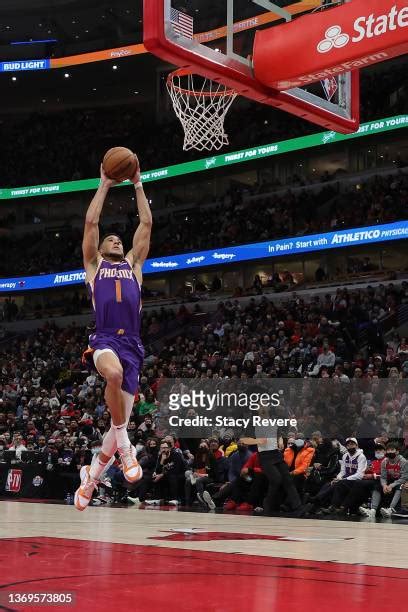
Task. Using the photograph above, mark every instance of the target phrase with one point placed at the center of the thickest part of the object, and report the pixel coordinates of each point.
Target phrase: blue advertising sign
(17, 66)
(246, 252)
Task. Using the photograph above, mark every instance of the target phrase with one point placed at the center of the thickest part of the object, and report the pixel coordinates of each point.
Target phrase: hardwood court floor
(117, 558)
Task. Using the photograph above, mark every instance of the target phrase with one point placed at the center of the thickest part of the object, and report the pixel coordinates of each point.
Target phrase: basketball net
(201, 105)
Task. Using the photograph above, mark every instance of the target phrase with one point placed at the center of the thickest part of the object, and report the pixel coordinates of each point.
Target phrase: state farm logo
(364, 27)
(334, 38)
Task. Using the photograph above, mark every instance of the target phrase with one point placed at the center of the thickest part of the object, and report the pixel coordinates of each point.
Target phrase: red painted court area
(119, 576)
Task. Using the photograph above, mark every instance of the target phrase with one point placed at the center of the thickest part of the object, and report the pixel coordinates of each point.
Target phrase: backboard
(215, 39)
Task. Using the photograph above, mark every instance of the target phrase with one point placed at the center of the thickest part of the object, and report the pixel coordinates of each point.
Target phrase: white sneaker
(152, 502)
(208, 500)
(83, 494)
(131, 468)
(174, 502)
(387, 512)
(368, 512)
(134, 500)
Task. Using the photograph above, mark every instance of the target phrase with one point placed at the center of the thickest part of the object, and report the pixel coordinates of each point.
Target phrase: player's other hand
(136, 178)
(105, 180)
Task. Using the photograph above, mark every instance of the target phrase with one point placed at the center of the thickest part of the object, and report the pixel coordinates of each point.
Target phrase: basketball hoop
(201, 105)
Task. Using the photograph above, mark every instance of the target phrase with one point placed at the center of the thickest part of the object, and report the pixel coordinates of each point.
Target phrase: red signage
(14, 478)
(322, 45)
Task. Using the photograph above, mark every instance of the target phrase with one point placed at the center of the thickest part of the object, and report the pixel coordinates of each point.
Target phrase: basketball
(120, 164)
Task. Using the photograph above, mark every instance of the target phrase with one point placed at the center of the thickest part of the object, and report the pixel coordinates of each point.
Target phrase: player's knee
(114, 377)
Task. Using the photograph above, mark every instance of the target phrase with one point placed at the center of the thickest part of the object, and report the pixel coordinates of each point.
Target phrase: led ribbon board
(263, 250)
(217, 161)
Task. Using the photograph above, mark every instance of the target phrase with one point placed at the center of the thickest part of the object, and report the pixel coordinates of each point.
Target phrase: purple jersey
(116, 299)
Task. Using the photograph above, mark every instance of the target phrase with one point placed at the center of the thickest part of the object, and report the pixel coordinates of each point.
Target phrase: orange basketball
(120, 164)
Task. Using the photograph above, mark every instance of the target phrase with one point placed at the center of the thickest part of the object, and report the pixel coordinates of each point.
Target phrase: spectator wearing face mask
(370, 485)
(320, 475)
(353, 465)
(228, 446)
(394, 473)
(298, 456)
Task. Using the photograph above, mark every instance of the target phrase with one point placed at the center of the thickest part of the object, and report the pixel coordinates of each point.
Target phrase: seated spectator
(147, 427)
(236, 462)
(148, 462)
(249, 490)
(167, 475)
(353, 465)
(325, 467)
(403, 511)
(298, 456)
(202, 472)
(394, 473)
(146, 404)
(18, 445)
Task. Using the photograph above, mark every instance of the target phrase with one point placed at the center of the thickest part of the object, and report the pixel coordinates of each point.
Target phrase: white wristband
(138, 185)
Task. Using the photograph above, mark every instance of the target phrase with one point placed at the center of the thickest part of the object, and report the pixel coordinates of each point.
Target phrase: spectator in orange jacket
(298, 456)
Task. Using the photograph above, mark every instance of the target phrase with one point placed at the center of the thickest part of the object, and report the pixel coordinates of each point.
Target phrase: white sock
(122, 438)
(95, 458)
(97, 467)
(109, 446)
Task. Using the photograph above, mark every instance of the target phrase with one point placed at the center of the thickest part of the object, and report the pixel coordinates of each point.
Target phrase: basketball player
(114, 281)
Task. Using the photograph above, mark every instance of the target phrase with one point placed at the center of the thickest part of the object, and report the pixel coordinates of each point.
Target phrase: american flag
(183, 24)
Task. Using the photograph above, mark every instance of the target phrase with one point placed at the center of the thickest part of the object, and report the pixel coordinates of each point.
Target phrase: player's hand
(136, 178)
(105, 180)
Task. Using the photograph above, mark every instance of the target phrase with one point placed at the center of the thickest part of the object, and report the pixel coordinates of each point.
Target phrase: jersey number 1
(118, 288)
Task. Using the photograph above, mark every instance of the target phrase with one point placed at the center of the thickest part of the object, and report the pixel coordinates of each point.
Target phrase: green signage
(209, 163)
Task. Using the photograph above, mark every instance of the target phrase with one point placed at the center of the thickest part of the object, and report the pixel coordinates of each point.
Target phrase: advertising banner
(247, 252)
(18, 66)
(341, 39)
(216, 161)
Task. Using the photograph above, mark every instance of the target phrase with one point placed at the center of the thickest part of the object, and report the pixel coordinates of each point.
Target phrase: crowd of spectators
(84, 135)
(233, 220)
(50, 404)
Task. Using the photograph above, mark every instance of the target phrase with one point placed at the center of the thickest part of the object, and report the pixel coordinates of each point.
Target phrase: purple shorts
(129, 351)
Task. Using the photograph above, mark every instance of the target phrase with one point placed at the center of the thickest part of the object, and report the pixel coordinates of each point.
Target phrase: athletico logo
(364, 27)
(334, 38)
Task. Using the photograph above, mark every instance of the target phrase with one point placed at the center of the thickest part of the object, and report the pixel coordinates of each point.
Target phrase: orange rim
(181, 72)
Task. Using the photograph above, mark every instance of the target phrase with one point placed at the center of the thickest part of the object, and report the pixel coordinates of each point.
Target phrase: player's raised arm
(141, 239)
(90, 240)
